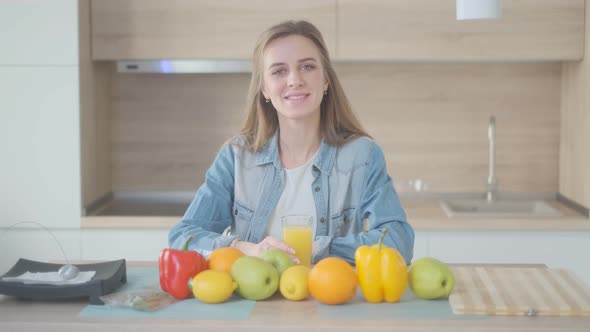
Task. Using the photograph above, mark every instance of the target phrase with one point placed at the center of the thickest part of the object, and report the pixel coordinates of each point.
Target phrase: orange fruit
(222, 259)
(332, 281)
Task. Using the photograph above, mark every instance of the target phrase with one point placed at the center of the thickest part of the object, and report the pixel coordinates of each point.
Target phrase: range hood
(196, 66)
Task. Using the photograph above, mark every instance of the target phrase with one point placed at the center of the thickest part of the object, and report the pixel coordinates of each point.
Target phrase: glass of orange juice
(297, 233)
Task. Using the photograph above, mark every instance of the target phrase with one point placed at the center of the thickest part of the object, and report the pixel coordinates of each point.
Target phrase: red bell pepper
(177, 267)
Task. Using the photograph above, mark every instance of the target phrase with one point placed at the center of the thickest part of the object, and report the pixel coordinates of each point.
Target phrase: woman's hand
(269, 242)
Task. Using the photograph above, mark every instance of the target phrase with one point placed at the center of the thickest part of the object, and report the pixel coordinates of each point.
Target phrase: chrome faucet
(492, 185)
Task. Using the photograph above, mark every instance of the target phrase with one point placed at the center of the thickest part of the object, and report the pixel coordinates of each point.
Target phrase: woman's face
(293, 77)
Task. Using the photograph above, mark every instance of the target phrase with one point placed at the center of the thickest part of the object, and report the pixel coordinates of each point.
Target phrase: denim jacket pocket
(242, 216)
(342, 221)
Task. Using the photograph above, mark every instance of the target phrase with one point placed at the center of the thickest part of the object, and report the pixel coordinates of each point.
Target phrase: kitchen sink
(481, 208)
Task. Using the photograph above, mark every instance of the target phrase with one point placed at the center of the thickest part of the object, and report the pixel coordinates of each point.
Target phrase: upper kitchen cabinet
(220, 29)
(426, 30)
(39, 32)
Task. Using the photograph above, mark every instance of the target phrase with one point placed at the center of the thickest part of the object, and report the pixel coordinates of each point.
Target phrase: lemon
(212, 286)
(293, 283)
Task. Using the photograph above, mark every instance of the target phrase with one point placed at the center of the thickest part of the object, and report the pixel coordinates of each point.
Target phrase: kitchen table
(276, 314)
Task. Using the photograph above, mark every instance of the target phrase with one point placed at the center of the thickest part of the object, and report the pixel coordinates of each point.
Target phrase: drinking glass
(297, 233)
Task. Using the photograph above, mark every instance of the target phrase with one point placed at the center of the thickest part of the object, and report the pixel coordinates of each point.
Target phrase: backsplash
(430, 119)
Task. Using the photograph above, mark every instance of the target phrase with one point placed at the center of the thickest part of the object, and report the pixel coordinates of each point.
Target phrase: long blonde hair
(338, 123)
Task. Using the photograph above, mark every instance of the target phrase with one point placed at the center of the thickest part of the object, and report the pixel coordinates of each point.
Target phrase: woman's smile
(297, 98)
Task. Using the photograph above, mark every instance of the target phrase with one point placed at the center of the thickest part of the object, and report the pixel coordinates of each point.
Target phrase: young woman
(301, 150)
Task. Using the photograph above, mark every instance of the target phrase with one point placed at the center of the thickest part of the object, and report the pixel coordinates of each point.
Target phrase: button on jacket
(354, 199)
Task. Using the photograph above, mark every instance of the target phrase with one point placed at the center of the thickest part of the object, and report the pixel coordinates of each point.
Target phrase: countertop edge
(419, 224)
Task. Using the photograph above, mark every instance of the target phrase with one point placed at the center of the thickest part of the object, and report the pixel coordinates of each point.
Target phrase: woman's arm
(380, 205)
(209, 214)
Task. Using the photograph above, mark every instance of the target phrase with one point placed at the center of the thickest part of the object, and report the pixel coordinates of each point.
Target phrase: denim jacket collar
(324, 160)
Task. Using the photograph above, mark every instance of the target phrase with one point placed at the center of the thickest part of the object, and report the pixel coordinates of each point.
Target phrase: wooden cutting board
(519, 291)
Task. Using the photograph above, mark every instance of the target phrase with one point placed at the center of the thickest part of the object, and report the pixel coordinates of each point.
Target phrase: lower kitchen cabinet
(556, 249)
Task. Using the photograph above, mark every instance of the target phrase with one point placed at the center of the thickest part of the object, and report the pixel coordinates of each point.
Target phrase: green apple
(257, 279)
(278, 258)
(430, 278)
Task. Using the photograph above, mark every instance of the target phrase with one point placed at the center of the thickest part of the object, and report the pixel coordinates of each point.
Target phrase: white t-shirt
(296, 199)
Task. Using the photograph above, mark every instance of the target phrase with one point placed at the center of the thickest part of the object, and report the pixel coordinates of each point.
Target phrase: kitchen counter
(428, 215)
(271, 315)
(425, 214)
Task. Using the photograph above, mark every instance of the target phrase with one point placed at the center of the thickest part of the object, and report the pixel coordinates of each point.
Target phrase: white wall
(39, 125)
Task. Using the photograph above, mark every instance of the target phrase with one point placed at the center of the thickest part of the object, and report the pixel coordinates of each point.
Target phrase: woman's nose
(295, 79)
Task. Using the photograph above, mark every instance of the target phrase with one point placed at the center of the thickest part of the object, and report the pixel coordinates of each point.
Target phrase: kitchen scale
(109, 277)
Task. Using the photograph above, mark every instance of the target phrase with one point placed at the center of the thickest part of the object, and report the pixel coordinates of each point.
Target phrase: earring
(267, 100)
(326, 93)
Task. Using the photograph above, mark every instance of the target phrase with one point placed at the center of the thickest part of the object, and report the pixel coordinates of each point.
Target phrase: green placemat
(408, 308)
(235, 308)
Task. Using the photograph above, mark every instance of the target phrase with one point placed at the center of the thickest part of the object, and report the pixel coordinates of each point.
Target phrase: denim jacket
(354, 198)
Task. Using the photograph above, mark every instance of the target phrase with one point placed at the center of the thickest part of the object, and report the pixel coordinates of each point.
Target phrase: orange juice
(299, 238)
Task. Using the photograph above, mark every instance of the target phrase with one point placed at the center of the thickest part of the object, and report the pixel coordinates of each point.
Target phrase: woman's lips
(297, 98)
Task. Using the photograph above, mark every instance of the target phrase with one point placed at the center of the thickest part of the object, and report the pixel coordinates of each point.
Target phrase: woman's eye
(278, 72)
(307, 67)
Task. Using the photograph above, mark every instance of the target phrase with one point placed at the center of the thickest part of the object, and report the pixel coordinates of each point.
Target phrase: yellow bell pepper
(382, 272)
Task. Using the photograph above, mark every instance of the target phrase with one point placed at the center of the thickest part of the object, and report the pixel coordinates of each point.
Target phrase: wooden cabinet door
(426, 30)
(219, 29)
